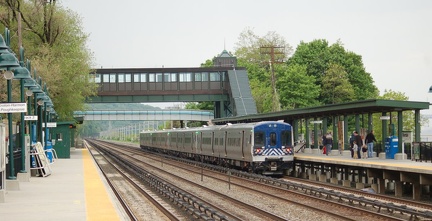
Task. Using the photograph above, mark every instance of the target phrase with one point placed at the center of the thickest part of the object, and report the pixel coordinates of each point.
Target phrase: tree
(318, 56)
(54, 42)
(258, 55)
(335, 86)
(297, 90)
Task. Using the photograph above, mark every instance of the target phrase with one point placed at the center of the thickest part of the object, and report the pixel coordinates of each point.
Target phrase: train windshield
(272, 139)
(259, 138)
(286, 138)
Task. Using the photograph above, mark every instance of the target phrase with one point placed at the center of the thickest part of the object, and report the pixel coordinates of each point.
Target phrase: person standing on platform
(364, 152)
(329, 143)
(351, 140)
(355, 150)
(370, 138)
(359, 142)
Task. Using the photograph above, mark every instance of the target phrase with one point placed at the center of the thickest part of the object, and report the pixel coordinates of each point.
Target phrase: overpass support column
(219, 111)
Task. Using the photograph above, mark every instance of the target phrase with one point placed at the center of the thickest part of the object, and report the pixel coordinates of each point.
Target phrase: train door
(242, 146)
(212, 143)
(225, 143)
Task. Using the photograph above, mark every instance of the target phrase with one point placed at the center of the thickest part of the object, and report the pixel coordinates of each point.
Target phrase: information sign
(13, 107)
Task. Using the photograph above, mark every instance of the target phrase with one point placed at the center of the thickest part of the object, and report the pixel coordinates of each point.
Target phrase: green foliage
(407, 116)
(54, 42)
(335, 86)
(261, 56)
(208, 105)
(297, 90)
(319, 57)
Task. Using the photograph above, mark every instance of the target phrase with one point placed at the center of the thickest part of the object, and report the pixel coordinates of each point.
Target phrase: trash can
(391, 146)
(48, 151)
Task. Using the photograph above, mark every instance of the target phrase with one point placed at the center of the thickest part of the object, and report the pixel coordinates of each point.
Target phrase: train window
(286, 138)
(259, 139)
(272, 139)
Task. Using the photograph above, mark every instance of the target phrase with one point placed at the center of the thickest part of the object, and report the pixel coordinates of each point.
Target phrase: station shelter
(342, 119)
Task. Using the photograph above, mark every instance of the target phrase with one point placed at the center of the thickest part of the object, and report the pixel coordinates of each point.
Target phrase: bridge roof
(350, 108)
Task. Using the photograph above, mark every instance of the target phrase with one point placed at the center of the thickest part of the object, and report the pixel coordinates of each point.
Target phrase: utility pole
(273, 51)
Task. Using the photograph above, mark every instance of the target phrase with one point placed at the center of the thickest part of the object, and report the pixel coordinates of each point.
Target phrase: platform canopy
(350, 108)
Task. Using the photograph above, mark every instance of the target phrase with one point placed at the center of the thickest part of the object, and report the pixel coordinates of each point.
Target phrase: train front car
(272, 148)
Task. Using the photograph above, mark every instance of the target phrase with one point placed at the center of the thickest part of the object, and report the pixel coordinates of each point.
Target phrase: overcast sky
(393, 37)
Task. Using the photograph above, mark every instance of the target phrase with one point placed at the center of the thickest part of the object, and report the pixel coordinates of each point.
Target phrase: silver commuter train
(260, 147)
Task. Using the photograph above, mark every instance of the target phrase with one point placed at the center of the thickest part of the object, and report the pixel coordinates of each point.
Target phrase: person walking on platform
(355, 150)
(359, 142)
(370, 138)
(329, 143)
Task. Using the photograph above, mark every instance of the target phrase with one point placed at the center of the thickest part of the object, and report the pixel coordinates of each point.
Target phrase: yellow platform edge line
(98, 204)
(394, 164)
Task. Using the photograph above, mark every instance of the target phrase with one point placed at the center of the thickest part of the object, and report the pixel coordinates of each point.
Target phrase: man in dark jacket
(370, 138)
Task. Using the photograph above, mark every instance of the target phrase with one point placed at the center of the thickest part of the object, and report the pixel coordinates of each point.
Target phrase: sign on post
(13, 107)
(28, 117)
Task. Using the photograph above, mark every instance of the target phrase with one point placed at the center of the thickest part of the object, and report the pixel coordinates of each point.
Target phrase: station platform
(75, 190)
(401, 165)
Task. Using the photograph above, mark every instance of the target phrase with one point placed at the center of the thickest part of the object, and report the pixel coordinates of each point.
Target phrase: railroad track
(131, 195)
(314, 201)
(231, 208)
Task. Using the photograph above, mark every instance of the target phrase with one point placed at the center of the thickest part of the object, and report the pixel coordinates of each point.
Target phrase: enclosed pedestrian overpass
(224, 84)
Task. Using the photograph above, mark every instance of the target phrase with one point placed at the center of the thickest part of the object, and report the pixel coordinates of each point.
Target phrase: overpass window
(173, 77)
(198, 77)
(201, 76)
(158, 77)
(204, 76)
(128, 78)
(143, 78)
(215, 76)
(106, 78)
(185, 77)
(136, 78)
(120, 78)
(112, 78)
(97, 78)
(167, 77)
(152, 77)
